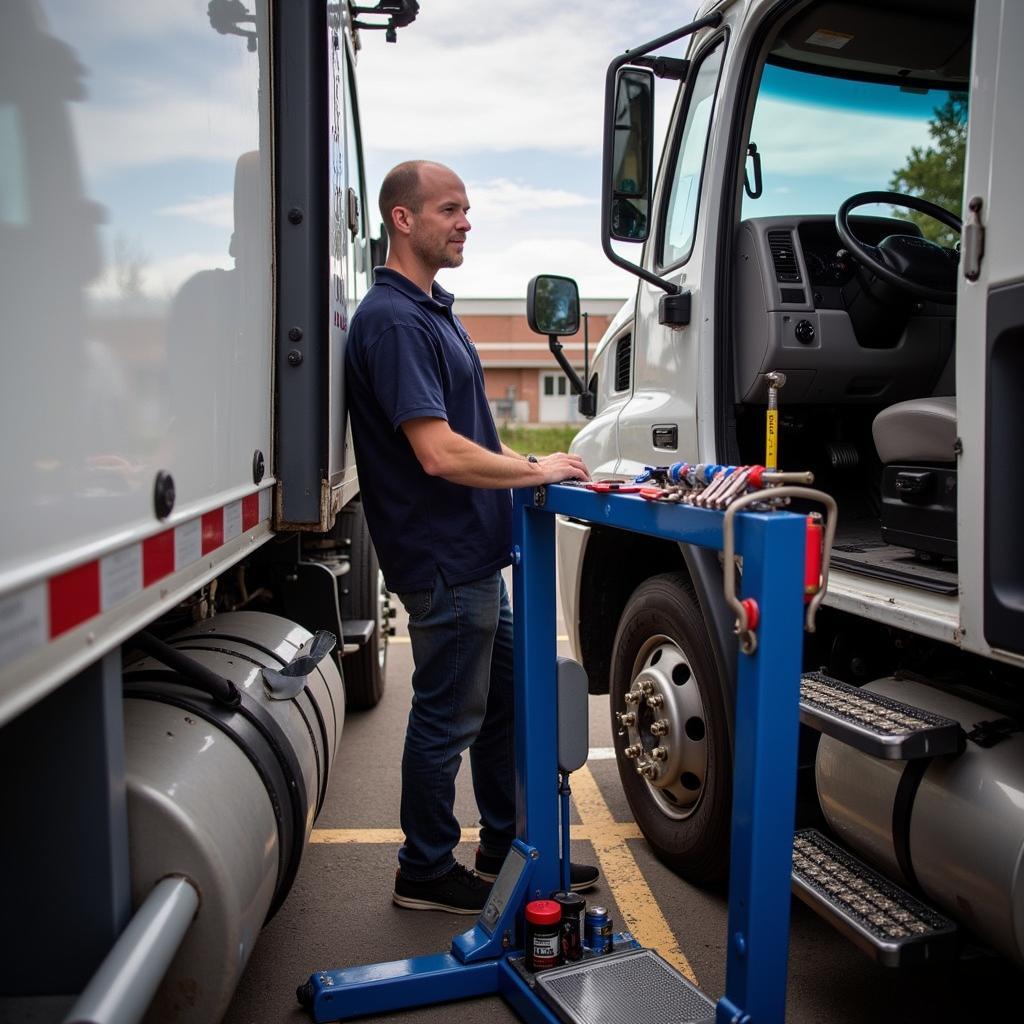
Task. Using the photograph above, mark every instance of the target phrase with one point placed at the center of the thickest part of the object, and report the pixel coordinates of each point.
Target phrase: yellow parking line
(611, 831)
(394, 836)
(562, 638)
(642, 915)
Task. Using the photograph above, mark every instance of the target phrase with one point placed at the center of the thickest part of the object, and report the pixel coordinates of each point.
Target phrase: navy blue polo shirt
(408, 356)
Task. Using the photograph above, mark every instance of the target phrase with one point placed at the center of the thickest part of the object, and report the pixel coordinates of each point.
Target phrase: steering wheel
(913, 264)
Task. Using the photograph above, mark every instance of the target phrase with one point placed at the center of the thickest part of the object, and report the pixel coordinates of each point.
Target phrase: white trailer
(899, 337)
(185, 233)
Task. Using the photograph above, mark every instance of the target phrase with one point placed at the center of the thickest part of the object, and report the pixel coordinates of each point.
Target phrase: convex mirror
(553, 305)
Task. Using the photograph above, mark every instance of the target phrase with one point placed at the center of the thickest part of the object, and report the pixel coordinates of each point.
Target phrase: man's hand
(562, 466)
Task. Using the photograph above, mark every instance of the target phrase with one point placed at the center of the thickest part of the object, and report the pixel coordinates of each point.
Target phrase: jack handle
(746, 610)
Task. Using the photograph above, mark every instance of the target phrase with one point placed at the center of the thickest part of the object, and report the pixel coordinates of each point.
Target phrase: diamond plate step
(873, 723)
(634, 987)
(876, 915)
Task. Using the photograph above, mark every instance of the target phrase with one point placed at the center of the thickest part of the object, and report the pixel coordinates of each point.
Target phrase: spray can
(597, 930)
(543, 934)
(573, 905)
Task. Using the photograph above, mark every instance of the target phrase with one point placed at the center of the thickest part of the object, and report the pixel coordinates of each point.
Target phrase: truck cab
(835, 210)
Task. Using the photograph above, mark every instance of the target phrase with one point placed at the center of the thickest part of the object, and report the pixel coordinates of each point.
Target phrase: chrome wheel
(664, 720)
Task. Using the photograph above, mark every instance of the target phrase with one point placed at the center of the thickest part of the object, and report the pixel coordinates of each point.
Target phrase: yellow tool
(775, 381)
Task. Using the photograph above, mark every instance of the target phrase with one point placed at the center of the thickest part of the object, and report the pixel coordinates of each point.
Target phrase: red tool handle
(812, 557)
(608, 486)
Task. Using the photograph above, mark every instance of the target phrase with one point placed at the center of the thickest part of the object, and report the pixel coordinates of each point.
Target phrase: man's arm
(444, 453)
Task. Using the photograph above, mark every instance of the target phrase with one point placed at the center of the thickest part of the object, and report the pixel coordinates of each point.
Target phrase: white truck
(899, 336)
(188, 594)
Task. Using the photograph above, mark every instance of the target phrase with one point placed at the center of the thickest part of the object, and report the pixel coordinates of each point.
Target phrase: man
(435, 481)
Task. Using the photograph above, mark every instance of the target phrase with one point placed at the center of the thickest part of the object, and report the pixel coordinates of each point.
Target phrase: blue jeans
(462, 698)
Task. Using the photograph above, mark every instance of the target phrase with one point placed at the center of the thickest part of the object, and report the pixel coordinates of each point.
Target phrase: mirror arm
(574, 378)
(665, 67)
(631, 57)
(586, 348)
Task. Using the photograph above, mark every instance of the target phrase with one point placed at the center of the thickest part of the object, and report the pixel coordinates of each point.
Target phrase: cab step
(356, 634)
(873, 723)
(889, 924)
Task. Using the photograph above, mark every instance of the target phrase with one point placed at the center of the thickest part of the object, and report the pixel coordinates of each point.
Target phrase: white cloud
(504, 270)
(525, 76)
(500, 199)
(218, 211)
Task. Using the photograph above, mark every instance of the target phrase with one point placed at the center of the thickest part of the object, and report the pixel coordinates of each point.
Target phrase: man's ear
(401, 217)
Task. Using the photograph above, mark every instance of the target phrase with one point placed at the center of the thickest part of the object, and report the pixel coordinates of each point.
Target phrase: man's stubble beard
(438, 257)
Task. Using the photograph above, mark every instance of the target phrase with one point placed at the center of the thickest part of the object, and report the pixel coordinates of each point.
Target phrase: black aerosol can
(573, 906)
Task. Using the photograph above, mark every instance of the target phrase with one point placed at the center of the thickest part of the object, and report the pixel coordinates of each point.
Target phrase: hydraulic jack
(488, 958)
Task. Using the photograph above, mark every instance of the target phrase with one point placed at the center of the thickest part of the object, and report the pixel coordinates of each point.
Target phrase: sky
(511, 96)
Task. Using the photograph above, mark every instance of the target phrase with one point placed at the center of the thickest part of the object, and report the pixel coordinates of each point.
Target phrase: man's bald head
(403, 186)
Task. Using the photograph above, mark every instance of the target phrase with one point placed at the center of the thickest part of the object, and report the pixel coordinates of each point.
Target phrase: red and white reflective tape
(35, 615)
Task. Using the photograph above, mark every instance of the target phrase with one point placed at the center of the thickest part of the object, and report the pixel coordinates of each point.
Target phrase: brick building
(524, 383)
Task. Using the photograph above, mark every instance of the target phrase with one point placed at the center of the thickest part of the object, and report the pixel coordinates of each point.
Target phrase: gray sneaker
(459, 891)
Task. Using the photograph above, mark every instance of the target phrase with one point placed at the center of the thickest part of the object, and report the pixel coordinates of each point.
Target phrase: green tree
(936, 173)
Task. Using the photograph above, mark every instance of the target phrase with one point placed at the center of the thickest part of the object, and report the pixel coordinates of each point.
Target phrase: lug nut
(657, 701)
(626, 717)
(660, 753)
(633, 697)
(648, 769)
(660, 727)
(646, 686)
(633, 751)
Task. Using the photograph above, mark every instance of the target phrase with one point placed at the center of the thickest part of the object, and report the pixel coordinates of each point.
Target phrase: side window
(681, 213)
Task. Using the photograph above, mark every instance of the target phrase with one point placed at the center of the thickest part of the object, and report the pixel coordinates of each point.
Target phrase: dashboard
(800, 305)
(824, 257)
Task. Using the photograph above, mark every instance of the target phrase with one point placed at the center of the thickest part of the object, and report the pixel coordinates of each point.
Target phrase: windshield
(823, 139)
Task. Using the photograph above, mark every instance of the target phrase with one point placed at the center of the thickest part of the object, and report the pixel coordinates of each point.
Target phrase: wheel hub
(665, 729)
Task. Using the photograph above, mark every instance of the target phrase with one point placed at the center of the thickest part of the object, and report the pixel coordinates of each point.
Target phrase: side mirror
(553, 305)
(630, 136)
(553, 308)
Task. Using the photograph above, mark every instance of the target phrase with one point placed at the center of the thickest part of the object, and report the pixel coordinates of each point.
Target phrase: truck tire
(681, 795)
(363, 595)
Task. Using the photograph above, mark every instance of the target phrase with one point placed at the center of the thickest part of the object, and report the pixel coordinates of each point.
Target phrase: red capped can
(543, 934)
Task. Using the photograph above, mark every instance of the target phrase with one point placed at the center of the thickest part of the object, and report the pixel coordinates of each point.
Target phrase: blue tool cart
(488, 958)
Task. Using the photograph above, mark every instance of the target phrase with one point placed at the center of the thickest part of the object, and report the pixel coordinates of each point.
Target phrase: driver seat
(916, 442)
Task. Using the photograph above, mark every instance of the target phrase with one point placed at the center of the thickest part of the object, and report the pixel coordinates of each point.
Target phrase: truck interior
(844, 263)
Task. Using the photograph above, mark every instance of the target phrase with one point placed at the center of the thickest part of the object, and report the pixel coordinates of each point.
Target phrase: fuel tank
(225, 796)
(958, 832)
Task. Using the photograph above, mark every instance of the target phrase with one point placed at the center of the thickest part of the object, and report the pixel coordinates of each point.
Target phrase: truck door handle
(665, 435)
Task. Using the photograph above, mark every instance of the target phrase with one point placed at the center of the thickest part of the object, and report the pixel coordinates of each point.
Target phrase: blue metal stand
(764, 795)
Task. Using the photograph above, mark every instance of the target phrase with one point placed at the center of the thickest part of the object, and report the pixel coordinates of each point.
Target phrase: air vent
(783, 256)
(623, 358)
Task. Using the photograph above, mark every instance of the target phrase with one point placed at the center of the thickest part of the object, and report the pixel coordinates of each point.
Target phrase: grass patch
(538, 440)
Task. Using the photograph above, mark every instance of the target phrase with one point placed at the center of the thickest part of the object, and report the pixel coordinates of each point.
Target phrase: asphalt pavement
(340, 913)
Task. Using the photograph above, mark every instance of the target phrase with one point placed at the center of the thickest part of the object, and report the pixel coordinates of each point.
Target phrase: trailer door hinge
(973, 240)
